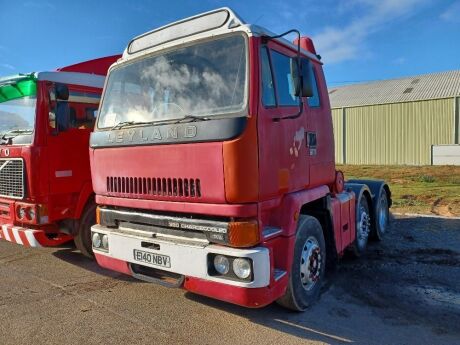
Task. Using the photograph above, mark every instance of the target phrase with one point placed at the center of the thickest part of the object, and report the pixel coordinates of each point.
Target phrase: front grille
(165, 187)
(12, 178)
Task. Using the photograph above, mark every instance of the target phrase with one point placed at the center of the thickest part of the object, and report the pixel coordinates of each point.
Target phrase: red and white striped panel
(19, 235)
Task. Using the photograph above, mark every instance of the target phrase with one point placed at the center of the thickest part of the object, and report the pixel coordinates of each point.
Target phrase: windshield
(204, 79)
(17, 105)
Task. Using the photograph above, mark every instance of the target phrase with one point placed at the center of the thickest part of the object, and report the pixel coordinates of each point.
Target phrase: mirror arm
(265, 39)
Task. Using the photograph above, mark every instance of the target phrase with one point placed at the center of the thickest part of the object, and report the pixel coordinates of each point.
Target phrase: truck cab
(46, 118)
(213, 165)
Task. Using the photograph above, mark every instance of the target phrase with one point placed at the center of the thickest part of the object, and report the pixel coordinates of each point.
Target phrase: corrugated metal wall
(338, 134)
(457, 120)
(398, 133)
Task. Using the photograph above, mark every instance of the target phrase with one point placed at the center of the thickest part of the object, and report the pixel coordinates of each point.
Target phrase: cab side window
(82, 107)
(314, 101)
(90, 116)
(268, 87)
(85, 106)
(283, 81)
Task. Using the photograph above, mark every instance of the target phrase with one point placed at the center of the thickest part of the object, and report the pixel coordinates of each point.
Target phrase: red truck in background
(213, 166)
(46, 196)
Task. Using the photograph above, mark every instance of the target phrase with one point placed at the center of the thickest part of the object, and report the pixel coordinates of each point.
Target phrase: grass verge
(426, 189)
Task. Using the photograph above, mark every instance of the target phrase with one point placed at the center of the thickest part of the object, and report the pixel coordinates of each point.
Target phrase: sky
(359, 40)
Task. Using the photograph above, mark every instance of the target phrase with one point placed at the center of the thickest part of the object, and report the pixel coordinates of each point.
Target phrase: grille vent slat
(12, 178)
(155, 186)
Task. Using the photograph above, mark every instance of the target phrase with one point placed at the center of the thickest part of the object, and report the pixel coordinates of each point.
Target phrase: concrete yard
(405, 290)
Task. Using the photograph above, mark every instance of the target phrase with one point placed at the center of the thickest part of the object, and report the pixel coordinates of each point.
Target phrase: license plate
(152, 259)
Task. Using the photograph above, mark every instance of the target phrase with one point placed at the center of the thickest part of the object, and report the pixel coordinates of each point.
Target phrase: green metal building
(396, 121)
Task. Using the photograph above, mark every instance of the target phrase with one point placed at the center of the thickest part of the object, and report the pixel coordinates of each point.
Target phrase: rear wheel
(82, 237)
(363, 226)
(308, 266)
(382, 216)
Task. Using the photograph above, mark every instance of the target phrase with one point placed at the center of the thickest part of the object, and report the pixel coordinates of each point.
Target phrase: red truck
(213, 166)
(46, 196)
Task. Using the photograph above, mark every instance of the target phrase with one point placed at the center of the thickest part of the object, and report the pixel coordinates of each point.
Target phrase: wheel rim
(383, 214)
(364, 226)
(310, 263)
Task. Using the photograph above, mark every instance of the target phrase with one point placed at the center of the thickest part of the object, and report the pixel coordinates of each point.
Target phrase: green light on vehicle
(17, 87)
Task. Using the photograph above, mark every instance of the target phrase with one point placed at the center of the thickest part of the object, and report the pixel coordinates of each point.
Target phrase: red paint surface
(39, 235)
(96, 66)
(268, 173)
(63, 197)
(225, 210)
(112, 264)
(198, 161)
(252, 298)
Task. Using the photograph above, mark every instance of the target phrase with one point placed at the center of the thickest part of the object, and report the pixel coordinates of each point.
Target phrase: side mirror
(306, 78)
(301, 77)
(62, 110)
(63, 116)
(295, 75)
(61, 91)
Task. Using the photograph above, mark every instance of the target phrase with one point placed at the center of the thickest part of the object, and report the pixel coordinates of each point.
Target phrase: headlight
(242, 268)
(96, 240)
(31, 213)
(221, 264)
(105, 241)
(22, 213)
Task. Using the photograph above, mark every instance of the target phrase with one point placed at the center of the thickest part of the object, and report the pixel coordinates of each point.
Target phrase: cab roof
(213, 23)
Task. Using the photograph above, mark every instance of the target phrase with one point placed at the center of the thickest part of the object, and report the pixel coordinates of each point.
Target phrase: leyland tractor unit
(213, 166)
(46, 196)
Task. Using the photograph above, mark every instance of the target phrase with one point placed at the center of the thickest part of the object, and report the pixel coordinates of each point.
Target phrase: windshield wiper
(20, 131)
(7, 139)
(191, 118)
(122, 124)
(188, 118)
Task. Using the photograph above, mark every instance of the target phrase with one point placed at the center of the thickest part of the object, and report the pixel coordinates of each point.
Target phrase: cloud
(451, 13)
(7, 66)
(400, 60)
(337, 44)
(39, 5)
(202, 80)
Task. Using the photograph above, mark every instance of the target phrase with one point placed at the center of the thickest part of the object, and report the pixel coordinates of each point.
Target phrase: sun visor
(184, 28)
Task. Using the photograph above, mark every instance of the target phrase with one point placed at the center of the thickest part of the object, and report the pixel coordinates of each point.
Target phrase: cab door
(283, 153)
(68, 150)
(320, 136)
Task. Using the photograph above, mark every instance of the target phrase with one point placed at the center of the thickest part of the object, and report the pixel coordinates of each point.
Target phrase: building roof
(421, 87)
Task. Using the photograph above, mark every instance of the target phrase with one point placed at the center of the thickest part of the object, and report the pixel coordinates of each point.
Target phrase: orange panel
(241, 166)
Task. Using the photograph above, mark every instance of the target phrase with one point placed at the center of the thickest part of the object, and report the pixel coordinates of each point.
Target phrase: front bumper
(31, 237)
(187, 257)
(190, 261)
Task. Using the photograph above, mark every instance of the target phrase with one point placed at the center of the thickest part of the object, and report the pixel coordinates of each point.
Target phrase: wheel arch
(375, 187)
(321, 210)
(86, 196)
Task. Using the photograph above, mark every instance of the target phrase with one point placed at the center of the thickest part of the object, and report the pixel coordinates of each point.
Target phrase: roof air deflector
(184, 28)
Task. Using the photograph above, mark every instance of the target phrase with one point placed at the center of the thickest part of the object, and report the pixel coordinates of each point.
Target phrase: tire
(382, 216)
(308, 266)
(362, 228)
(82, 237)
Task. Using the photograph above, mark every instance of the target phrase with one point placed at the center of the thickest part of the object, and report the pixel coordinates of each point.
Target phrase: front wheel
(308, 266)
(82, 237)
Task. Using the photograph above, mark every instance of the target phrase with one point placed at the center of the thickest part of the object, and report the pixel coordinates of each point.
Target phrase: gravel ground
(406, 290)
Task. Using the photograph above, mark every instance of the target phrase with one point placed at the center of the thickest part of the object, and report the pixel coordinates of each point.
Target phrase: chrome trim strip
(167, 221)
(278, 274)
(271, 231)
